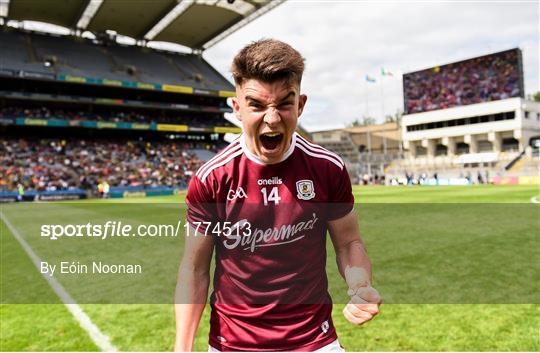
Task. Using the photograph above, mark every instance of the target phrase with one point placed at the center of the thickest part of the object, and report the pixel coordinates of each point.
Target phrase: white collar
(257, 160)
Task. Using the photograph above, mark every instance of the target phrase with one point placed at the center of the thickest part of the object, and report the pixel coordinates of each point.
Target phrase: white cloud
(344, 40)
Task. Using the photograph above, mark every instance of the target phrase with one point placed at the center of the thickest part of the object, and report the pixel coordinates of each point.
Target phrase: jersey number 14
(272, 197)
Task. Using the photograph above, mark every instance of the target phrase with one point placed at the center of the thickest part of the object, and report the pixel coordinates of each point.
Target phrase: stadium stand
(451, 167)
(466, 119)
(92, 58)
(477, 80)
(67, 164)
(76, 112)
(526, 165)
(107, 113)
(367, 150)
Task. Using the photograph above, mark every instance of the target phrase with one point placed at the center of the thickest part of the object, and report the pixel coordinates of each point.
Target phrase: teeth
(274, 134)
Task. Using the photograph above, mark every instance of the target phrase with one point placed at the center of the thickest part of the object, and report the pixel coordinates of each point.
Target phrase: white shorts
(331, 347)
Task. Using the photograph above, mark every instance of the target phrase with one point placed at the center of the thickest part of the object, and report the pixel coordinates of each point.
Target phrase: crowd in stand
(57, 164)
(478, 80)
(163, 116)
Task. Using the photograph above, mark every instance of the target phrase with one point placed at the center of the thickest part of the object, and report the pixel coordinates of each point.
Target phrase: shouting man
(265, 204)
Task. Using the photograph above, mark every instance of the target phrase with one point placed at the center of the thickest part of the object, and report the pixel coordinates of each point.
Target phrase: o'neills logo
(272, 181)
(258, 238)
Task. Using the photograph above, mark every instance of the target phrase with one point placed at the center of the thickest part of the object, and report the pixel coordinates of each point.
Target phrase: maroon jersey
(270, 285)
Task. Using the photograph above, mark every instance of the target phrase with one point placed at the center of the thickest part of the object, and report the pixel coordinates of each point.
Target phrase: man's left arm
(354, 265)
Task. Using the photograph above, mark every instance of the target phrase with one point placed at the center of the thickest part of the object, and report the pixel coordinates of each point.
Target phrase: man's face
(269, 113)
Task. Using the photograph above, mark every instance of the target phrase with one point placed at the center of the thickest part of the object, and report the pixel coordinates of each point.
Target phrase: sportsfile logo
(272, 181)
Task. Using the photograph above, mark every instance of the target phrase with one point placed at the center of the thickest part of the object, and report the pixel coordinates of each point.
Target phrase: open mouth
(270, 141)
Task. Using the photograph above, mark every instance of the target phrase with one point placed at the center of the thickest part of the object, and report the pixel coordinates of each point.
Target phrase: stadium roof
(197, 24)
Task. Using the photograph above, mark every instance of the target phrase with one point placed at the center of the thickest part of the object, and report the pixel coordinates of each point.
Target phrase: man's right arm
(192, 287)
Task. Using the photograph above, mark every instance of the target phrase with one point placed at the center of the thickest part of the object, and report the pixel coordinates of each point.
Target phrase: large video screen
(482, 79)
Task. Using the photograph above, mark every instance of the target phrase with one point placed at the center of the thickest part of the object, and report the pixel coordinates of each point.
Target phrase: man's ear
(236, 108)
(301, 103)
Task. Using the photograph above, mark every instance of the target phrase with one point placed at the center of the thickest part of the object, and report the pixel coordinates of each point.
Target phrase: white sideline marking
(534, 199)
(101, 340)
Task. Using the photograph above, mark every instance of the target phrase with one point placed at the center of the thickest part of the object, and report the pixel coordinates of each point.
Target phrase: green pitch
(393, 221)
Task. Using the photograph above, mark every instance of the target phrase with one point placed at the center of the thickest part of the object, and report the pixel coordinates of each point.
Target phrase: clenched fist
(363, 306)
(365, 299)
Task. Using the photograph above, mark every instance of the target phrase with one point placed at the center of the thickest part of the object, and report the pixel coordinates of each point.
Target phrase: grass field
(458, 268)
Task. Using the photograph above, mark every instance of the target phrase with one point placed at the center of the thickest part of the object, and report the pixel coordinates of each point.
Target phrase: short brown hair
(268, 60)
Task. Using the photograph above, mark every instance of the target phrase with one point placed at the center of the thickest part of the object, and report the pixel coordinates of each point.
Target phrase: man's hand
(363, 306)
(354, 265)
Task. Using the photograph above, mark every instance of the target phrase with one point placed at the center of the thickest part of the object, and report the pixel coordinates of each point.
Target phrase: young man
(268, 200)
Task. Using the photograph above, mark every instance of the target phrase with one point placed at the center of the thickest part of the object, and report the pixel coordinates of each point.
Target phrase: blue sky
(343, 41)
